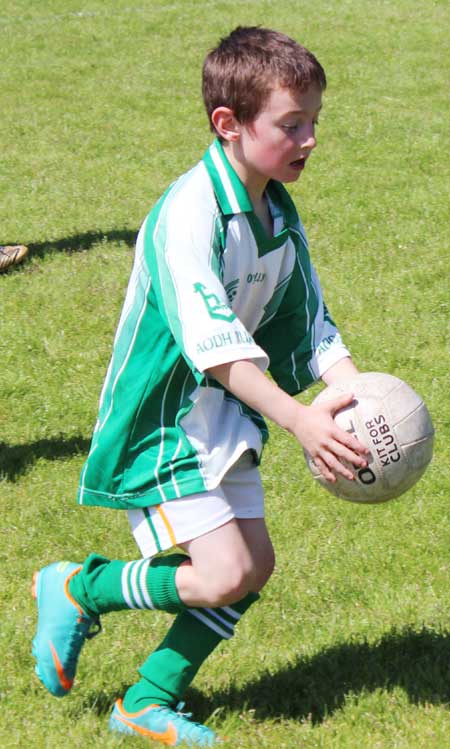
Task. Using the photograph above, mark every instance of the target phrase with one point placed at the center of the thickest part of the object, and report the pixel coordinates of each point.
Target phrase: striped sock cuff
(161, 583)
(223, 620)
(212, 618)
(134, 585)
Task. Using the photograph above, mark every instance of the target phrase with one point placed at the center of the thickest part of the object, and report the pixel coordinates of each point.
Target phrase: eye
(290, 128)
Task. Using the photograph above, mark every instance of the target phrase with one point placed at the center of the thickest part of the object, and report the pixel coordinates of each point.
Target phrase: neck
(254, 184)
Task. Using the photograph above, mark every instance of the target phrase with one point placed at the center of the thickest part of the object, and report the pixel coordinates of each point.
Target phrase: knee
(239, 577)
(229, 587)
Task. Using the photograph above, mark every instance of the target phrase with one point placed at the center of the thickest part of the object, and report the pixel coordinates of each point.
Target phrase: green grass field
(100, 111)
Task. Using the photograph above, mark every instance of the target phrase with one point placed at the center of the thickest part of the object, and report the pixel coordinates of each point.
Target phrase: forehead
(283, 100)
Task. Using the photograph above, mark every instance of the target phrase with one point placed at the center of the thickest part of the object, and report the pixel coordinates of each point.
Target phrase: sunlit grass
(348, 648)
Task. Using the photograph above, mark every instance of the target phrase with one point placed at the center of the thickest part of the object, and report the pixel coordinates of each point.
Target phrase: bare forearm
(246, 381)
(343, 369)
(313, 426)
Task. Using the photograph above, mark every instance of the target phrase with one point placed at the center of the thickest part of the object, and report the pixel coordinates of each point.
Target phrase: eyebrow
(302, 111)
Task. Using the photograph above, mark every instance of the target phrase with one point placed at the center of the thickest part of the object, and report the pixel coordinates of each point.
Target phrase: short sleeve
(182, 246)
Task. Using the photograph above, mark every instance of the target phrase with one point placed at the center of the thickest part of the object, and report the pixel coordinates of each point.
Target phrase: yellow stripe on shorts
(165, 520)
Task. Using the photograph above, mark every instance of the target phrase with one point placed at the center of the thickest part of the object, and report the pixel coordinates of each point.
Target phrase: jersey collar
(231, 194)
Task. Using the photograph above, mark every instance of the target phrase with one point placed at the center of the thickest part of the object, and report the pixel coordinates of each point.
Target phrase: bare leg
(226, 564)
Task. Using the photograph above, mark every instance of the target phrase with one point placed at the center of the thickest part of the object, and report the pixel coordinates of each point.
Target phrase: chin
(293, 178)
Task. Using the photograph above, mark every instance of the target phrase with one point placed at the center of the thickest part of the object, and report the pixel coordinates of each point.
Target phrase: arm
(313, 426)
(344, 369)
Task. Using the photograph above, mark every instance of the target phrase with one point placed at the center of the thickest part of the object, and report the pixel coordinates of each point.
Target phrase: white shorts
(239, 495)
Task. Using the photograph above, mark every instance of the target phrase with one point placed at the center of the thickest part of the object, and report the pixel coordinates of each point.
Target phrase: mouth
(298, 164)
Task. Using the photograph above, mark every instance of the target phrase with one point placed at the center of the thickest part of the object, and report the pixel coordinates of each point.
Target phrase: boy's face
(280, 139)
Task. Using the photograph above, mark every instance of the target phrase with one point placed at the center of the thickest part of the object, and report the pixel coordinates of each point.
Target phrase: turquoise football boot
(62, 628)
(162, 724)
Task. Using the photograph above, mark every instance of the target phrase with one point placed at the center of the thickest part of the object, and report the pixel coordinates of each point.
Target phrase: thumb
(339, 402)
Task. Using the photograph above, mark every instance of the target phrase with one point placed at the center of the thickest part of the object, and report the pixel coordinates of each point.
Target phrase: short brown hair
(247, 65)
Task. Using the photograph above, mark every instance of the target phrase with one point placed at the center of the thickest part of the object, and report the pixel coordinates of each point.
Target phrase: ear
(226, 124)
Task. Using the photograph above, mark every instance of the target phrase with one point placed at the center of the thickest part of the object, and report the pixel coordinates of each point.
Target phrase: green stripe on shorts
(149, 520)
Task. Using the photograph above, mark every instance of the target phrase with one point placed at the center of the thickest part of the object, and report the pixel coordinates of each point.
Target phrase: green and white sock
(104, 585)
(193, 636)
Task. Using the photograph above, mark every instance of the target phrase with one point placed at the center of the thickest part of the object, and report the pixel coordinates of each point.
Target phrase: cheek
(277, 156)
(268, 149)
(273, 151)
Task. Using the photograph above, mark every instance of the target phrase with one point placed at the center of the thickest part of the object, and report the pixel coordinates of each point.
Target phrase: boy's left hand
(326, 442)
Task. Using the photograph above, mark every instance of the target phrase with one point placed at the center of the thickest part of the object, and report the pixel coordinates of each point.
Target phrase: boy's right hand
(328, 444)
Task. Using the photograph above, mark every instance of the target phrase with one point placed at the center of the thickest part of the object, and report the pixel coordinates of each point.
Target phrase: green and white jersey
(208, 286)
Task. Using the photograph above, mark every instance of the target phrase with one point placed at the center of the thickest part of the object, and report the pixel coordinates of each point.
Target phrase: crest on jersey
(216, 308)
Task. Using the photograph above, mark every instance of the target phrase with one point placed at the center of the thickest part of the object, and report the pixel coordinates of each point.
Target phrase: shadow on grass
(15, 460)
(80, 242)
(316, 687)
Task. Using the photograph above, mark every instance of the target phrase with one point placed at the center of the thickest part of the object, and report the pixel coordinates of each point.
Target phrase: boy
(221, 285)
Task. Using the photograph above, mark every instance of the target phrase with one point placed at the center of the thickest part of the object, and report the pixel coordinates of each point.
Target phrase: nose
(310, 143)
(308, 139)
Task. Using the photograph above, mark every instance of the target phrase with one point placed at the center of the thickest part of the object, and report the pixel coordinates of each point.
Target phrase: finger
(341, 401)
(351, 450)
(324, 470)
(330, 467)
(352, 442)
(349, 440)
(339, 469)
